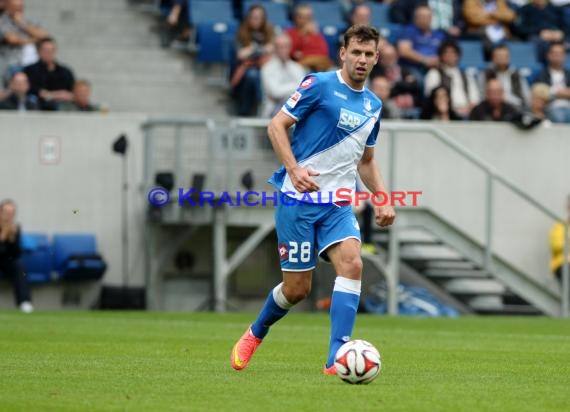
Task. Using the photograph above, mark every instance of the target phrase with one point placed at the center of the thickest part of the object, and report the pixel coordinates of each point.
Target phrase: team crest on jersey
(367, 104)
(349, 120)
(307, 83)
(294, 99)
(283, 251)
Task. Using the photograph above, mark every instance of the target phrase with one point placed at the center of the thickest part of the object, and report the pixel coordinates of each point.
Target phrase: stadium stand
(277, 13)
(471, 54)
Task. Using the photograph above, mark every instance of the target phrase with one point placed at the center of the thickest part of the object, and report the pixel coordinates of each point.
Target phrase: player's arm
(277, 131)
(372, 178)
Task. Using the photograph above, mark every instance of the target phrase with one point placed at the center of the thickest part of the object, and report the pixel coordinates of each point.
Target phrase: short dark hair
(448, 44)
(43, 41)
(362, 33)
(499, 46)
(556, 43)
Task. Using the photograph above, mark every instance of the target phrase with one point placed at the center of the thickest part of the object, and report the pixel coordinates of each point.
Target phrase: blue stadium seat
(327, 13)
(36, 257)
(471, 54)
(214, 41)
(277, 13)
(380, 18)
(75, 257)
(209, 11)
(524, 55)
(392, 32)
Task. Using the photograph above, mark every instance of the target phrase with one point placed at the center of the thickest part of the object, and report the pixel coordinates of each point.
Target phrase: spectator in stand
(380, 86)
(488, 20)
(10, 252)
(515, 84)
(461, 84)
(438, 106)
(539, 99)
(254, 49)
(446, 14)
(309, 47)
(558, 78)
(494, 107)
(361, 14)
(18, 37)
(418, 43)
(280, 76)
(405, 88)
(177, 23)
(542, 23)
(556, 238)
(81, 99)
(50, 81)
(18, 97)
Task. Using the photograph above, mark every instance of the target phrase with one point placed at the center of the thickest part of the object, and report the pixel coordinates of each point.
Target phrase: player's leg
(296, 248)
(341, 237)
(295, 287)
(345, 257)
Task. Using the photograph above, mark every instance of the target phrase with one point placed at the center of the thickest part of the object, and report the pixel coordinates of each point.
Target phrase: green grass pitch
(122, 361)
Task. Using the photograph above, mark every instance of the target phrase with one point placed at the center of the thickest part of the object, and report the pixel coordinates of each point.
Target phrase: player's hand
(302, 180)
(384, 215)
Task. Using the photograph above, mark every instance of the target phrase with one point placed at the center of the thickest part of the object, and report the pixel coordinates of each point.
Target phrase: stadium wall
(82, 191)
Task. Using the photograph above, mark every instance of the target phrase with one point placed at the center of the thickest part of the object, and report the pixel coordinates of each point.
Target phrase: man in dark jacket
(494, 107)
(50, 81)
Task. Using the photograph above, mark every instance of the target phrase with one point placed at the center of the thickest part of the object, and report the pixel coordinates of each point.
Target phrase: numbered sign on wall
(236, 144)
(50, 150)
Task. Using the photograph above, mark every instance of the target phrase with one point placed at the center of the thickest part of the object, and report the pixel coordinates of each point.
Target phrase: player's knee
(352, 267)
(297, 293)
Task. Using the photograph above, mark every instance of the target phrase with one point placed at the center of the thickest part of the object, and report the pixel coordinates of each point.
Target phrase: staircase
(115, 46)
(453, 263)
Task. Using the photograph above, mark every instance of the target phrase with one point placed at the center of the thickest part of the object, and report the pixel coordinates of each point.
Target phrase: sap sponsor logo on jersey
(294, 99)
(307, 83)
(349, 120)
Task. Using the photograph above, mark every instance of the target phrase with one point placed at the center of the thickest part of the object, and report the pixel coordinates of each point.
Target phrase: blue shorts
(305, 228)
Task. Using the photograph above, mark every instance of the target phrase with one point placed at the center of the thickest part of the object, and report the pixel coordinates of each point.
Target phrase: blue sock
(344, 305)
(276, 306)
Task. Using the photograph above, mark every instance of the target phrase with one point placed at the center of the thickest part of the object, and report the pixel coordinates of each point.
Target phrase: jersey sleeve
(373, 136)
(304, 99)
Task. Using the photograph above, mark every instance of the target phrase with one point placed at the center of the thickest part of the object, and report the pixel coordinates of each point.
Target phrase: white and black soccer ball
(358, 361)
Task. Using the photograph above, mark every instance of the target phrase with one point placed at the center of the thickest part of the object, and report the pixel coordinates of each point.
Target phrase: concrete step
(474, 287)
(413, 236)
(428, 252)
(455, 273)
(486, 303)
(450, 265)
(87, 5)
(137, 78)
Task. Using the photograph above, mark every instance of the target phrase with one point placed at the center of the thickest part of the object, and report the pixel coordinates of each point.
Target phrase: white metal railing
(493, 176)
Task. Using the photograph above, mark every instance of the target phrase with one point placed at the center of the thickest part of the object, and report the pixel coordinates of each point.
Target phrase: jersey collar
(340, 79)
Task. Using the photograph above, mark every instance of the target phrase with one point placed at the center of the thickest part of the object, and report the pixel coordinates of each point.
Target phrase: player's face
(358, 58)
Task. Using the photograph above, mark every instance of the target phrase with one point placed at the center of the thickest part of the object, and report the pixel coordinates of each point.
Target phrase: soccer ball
(358, 361)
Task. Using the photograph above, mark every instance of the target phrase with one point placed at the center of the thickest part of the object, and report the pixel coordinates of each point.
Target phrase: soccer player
(337, 121)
